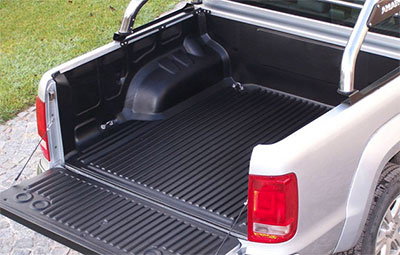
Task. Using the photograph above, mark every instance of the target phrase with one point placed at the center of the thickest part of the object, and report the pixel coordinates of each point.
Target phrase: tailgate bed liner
(197, 159)
(93, 217)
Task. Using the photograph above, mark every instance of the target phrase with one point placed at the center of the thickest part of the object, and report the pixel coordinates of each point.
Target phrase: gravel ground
(18, 138)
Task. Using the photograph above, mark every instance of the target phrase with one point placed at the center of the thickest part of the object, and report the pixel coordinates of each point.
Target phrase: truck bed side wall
(326, 156)
(96, 92)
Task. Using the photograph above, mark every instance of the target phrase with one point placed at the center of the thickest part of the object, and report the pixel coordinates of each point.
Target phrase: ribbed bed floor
(197, 160)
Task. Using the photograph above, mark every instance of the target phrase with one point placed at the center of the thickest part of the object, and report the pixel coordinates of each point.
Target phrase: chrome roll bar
(373, 12)
(129, 19)
(130, 16)
(343, 3)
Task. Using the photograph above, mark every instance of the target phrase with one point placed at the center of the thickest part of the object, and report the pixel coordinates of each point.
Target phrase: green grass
(36, 35)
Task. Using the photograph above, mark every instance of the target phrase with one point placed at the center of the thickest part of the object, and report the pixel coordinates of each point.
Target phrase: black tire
(396, 159)
(388, 189)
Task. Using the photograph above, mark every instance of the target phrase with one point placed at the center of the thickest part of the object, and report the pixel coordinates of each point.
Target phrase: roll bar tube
(130, 16)
(129, 19)
(373, 12)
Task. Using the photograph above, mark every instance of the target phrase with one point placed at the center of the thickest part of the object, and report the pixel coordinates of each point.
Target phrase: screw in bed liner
(52, 94)
(105, 125)
(238, 86)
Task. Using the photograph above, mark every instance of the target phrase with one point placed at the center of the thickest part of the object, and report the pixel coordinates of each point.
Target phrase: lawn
(36, 35)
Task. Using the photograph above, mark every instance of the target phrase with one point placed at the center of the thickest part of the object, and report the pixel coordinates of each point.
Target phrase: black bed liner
(93, 217)
(196, 160)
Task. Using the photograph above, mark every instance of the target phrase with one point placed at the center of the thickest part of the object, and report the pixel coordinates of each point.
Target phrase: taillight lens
(272, 208)
(42, 127)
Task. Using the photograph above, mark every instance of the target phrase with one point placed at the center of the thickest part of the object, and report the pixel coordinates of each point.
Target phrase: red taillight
(272, 208)
(42, 128)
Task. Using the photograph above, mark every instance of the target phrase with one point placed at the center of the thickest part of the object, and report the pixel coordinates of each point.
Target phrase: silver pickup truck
(225, 127)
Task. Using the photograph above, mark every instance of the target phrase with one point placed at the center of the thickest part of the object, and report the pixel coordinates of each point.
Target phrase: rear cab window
(341, 12)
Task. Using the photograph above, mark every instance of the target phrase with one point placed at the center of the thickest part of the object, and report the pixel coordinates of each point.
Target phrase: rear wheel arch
(379, 230)
(381, 148)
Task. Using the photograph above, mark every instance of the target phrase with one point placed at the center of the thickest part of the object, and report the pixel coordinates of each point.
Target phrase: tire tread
(390, 172)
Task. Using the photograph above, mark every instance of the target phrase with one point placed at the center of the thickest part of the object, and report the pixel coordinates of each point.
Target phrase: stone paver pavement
(18, 138)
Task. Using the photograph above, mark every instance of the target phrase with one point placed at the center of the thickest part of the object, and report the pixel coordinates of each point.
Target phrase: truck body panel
(176, 116)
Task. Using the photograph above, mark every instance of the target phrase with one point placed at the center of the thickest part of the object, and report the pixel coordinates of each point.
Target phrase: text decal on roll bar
(383, 10)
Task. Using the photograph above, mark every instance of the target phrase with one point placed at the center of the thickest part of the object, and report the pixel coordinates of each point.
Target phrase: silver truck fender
(382, 146)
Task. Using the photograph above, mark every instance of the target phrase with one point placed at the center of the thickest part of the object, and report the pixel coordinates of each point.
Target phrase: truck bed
(196, 159)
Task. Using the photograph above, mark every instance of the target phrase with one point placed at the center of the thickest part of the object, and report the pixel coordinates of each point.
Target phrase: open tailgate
(94, 217)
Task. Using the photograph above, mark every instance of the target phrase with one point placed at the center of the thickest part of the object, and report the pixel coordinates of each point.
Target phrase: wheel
(388, 236)
(381, 235)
